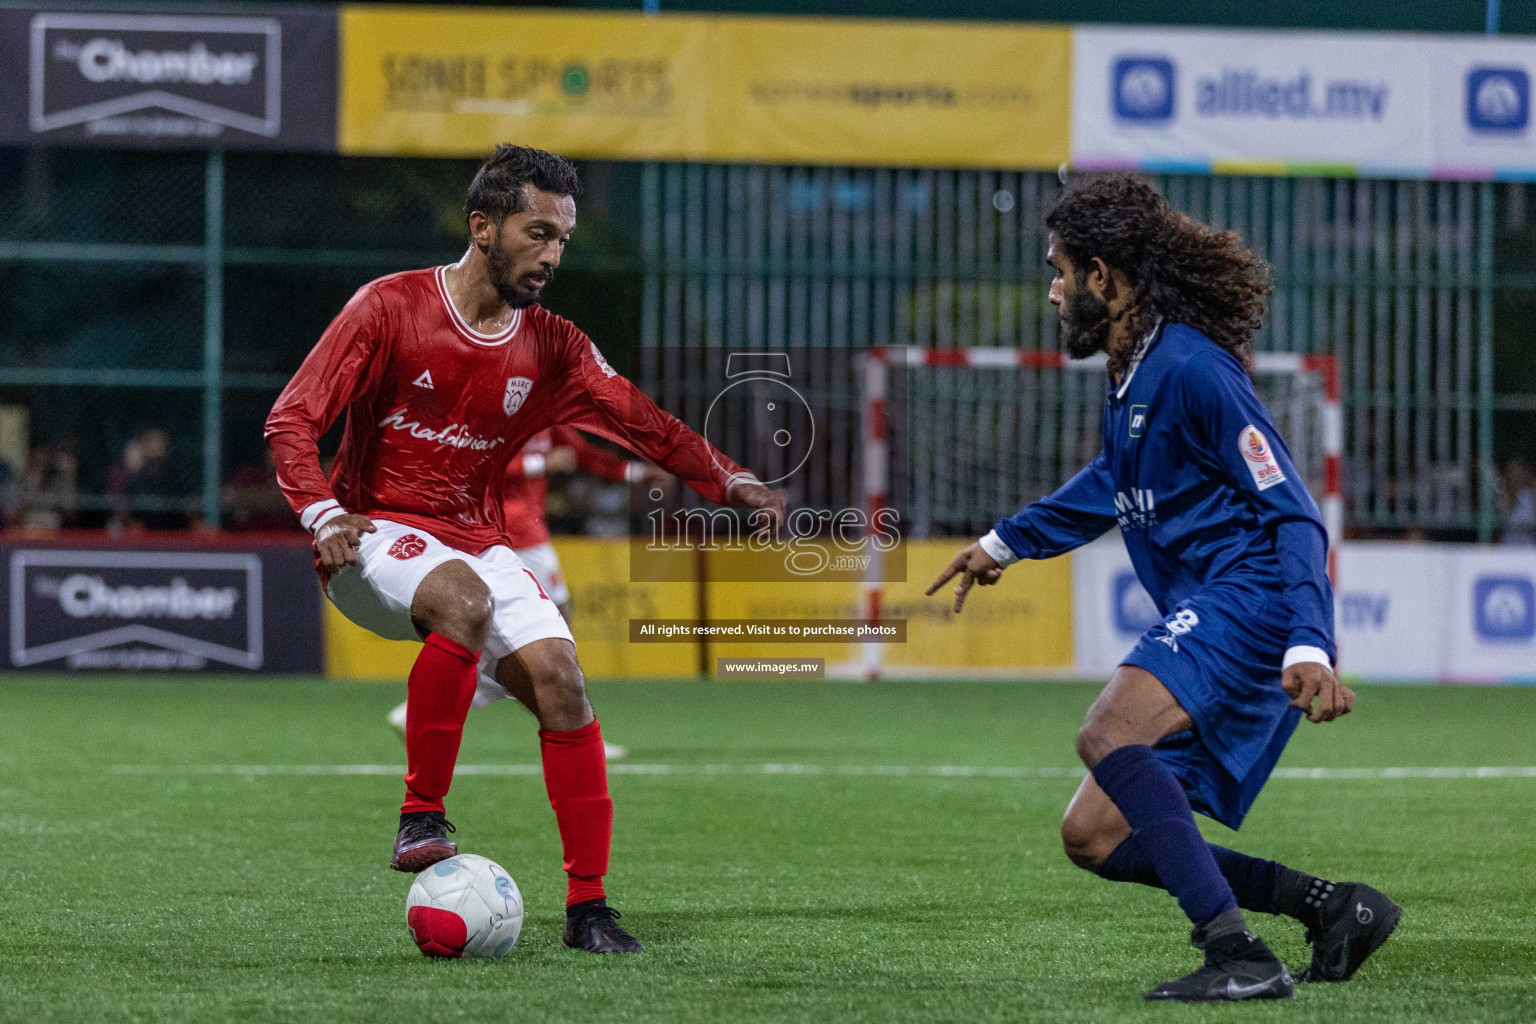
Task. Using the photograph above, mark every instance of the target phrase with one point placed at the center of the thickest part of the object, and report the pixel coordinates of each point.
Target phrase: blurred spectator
(48, 489)
(141, 485)
(253, 501)
(1517, 502)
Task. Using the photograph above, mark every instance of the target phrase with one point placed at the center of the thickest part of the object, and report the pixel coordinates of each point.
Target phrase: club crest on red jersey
(408, 546)
(517, 392)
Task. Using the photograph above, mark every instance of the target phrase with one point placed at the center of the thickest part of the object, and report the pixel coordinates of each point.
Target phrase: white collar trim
(1136, 358)
(488, 340)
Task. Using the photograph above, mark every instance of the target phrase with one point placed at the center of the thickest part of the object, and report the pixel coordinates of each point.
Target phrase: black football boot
(593, 926)
(422, 841)
(1354, 921)
(1238, 966)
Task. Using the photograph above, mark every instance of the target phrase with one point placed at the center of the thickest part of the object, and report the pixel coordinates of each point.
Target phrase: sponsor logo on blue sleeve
(1504, 608)
(1135, 611)
(1141, 89)
(1498, 99)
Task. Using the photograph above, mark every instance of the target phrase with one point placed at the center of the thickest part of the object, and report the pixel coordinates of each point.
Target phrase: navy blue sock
(1257, 884)
(1149, 797)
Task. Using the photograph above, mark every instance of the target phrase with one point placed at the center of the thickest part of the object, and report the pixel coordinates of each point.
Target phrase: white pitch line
(893, 770)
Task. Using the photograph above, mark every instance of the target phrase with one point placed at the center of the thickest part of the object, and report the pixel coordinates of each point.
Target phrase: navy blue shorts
(1219, 654)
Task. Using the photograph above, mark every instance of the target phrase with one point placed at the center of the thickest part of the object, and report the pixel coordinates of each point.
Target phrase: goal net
(958, 438)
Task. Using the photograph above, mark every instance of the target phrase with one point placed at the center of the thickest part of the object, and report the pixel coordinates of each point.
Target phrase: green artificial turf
(823, 893)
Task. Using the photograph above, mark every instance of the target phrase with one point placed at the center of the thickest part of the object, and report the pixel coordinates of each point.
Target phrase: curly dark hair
(1180, 270)
(497, 188)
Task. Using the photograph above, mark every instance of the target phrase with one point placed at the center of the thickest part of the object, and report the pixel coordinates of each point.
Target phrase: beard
(502, 273)
(1085, 324)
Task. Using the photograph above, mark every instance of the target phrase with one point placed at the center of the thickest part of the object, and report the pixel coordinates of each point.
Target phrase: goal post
(976, 433)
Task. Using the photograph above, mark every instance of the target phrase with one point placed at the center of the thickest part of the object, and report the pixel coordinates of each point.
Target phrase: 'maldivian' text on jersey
(1202, 488)
(435, 410)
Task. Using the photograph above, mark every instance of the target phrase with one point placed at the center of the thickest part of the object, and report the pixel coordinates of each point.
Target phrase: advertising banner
(1491, 628)
(1110, 609)
(1262, 102)
(1482, 108)
(134, 78)
(213, 610)
(896, 93)
(1404, 612)
(453, 82)
(1391, 607)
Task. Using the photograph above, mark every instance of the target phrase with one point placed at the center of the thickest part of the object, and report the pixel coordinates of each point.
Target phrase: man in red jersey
(558, 450)
(445, 373)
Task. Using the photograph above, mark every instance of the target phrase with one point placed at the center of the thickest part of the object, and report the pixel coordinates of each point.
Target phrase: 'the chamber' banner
(193, 608)
(131, 77)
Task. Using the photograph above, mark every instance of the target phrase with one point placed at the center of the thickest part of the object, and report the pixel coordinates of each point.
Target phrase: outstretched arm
(601, 462)
(601, 402)
(1080, 510)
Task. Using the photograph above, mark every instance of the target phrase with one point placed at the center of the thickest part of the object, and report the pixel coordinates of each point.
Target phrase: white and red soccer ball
(465, 906)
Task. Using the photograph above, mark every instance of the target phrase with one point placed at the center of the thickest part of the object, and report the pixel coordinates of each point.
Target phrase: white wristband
(634, 472)
(1302, 653)
(533, 465)
(317, 514)
(995, 546)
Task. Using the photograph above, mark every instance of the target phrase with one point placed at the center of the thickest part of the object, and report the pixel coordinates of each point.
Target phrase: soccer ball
(464, 906)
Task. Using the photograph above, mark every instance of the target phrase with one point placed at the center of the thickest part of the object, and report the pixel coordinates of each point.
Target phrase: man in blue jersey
(1228, 542)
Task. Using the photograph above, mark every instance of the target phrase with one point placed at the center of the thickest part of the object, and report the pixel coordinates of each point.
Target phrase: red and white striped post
(877, 447)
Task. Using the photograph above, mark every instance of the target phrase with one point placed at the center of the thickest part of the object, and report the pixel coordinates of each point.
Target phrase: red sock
(442, 683)
(576, 778)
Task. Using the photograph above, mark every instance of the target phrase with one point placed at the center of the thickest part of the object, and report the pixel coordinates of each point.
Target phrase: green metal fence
(179, 291)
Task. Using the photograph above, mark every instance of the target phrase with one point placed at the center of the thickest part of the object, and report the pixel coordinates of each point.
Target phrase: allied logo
(425, 380)
(1260, 458)
(516, 394)
(1504, 608)
(406, 547)
(1498, 100)
(1142, 89)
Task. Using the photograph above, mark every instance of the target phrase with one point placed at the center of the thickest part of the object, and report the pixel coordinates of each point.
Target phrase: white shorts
(542, 561)
(392, 561)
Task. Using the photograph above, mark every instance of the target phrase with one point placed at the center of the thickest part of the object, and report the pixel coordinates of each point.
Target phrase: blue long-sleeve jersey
(1202, 488)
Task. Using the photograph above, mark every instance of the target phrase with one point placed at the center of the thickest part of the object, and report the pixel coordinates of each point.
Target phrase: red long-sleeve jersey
(525, 487)
(436, 410)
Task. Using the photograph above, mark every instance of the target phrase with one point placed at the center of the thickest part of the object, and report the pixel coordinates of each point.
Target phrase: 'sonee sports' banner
(444, 81)
(1217, 100)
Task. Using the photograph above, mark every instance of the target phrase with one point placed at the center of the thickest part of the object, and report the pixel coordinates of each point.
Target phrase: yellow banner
(891, 93)
(1021, 628)
(453, 82)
